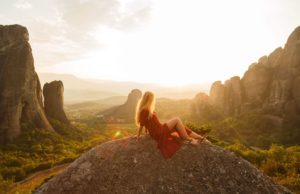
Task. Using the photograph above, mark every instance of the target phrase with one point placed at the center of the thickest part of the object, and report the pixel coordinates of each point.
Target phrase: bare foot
(191, 141)
(205, 141)
(194, 142)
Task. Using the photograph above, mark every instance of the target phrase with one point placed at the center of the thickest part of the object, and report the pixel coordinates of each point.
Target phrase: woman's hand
(146, 131)
(137, 137)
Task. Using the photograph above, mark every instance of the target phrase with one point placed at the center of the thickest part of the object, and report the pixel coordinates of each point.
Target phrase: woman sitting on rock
(169, 135)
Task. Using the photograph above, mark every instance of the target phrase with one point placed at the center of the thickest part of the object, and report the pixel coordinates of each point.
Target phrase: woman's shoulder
(144, 110)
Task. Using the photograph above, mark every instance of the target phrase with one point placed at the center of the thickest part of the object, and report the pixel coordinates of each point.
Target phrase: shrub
(5, 185)
(273, 168)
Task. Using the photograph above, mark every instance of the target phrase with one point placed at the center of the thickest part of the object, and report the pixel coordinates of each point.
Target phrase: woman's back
(154, 126)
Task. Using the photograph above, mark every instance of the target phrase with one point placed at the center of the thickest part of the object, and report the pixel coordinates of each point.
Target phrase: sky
(167, 42)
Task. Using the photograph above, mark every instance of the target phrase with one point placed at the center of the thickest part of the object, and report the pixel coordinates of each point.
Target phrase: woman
(169, 135)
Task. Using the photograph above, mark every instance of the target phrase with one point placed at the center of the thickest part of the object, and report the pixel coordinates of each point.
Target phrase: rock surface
(201, 106)
(271, 84)
(216, 95)
(232, 96)
(126, 111)
(128, 166)
(20, 90)
(54, 101)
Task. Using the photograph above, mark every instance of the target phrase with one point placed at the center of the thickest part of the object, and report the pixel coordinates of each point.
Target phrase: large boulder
(128, 166)
(54, 101)
(20, 90)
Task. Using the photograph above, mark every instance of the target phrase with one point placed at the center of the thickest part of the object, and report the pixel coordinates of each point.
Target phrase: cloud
(22, 4)
(68, 34)
(85, 16)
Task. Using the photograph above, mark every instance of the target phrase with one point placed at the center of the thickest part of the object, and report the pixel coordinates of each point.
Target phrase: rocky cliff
(126, 111)
(271, 84)
(128, 166)
(54, 101)
(20, 90)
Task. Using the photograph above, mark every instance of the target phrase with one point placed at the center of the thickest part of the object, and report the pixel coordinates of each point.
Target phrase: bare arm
(139, 132)
(146, 130)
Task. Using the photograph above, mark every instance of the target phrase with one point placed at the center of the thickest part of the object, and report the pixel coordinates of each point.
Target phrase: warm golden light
(117, 134)
(170, 42)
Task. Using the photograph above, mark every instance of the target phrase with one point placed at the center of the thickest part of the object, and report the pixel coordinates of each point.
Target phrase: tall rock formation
(233, 95)
(20, 90)
(54, 101)
(128, 166)
(124, 112)
(202, 109)
(272, 84)
(217, 95)
(256, 82)
(283, 91)
(200, 104)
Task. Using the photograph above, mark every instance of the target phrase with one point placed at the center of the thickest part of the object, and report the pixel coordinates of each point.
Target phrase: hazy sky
(171, 42)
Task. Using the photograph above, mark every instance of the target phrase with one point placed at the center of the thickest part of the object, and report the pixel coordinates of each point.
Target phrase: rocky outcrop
(296, 91)
(285, 76)
(272, 84)
(128, 166)
(124, 112)
(227, 97)
(54, 101)
(256, 83)
(217, 95)
(202, 108)
(233, 96)
(20, 90)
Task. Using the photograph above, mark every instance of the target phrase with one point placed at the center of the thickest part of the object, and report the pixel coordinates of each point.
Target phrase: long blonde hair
(147, 102)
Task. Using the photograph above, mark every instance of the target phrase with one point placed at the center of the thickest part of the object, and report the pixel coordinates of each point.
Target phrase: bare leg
(196, 135)
(176, 123)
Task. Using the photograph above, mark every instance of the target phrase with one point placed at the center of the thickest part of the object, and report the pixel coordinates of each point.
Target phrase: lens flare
(117, 134)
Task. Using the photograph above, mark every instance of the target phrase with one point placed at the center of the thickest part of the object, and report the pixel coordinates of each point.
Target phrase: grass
(38, 154)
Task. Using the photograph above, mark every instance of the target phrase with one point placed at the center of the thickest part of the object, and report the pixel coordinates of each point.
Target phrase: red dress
(166, 142)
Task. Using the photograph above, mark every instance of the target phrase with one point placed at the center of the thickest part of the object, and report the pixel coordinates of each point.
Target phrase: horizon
(179, 43)
(96, 80)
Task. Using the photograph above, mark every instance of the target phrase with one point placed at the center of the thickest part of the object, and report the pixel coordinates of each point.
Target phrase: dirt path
(30, 183)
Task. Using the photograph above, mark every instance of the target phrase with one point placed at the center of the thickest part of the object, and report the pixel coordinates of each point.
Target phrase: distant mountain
(96, 105)
(76, 89)
(79, 90)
